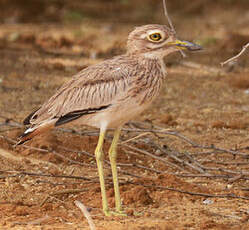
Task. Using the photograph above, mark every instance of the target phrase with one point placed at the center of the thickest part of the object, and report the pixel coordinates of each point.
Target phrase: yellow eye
(155, 37)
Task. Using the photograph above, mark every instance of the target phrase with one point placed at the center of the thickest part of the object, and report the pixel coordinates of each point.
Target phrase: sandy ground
(186, 187)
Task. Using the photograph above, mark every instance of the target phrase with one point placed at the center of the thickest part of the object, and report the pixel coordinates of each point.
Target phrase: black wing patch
(77, 114)
(28, 118)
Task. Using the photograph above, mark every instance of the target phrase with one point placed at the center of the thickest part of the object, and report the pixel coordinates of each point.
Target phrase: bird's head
(156, 41)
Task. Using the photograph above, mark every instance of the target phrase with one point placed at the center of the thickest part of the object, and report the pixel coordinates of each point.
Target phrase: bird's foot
(115, 213)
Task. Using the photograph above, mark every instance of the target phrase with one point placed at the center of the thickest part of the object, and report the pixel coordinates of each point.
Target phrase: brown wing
(94, 88)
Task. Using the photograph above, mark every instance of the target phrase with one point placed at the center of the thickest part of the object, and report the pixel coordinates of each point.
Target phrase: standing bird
(109, 94)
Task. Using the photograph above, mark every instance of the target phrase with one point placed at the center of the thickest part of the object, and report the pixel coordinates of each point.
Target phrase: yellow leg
(99, 159)
(113, 157)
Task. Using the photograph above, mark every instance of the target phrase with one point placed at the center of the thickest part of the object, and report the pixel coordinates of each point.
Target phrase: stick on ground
(83, 209)
(234, 58)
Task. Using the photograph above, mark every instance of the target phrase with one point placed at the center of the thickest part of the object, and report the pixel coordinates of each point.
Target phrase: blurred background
(223, 22)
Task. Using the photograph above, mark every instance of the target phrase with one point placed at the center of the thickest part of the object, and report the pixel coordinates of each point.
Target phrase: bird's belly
(113, 117)
(122, 110)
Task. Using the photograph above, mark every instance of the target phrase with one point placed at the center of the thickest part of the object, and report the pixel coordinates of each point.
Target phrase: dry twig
(229, 195)
(170, 22)
(167, 16)
(155, 157)
(39, 221)
(234, 58)
(65, 191)
(34, 222)
(84, 210)
(184, 162)
(9, 155)
(20, 173)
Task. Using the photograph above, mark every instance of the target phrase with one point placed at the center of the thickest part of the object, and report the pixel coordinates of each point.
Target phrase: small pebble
(207, 201)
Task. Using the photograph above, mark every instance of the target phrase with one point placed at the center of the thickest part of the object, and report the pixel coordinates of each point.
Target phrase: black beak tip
(194, 47)
(189, 46)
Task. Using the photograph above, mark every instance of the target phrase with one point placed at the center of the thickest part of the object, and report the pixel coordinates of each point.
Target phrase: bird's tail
(34, 131)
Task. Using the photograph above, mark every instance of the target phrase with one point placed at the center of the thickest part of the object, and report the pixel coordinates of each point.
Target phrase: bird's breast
(146, 86)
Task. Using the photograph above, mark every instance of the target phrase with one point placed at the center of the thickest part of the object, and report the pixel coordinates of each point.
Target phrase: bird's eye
(156, 37)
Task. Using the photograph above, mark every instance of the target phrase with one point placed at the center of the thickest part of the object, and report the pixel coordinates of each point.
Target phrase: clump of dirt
(138, 196)
(168, 119)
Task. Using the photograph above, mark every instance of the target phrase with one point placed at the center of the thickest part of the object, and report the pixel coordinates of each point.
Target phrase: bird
(109, 94)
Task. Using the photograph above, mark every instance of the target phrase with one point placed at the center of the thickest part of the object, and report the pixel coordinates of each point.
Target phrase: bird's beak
(183, 45)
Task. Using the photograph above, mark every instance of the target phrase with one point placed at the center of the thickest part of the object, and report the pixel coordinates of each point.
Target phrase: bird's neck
(149, 60)
(148, 80)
